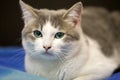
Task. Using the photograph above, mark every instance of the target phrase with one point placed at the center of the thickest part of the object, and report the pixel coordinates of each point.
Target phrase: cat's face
(51, 34)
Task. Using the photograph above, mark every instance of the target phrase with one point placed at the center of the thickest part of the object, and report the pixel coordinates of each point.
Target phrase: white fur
(98, 67)
(88, 64)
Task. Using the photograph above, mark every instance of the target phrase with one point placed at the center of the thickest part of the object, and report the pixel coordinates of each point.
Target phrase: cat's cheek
(57, 43)
(61, 47)
(27, 45)
(38, 44)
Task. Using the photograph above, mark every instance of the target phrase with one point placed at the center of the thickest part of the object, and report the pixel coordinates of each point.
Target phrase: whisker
(61, 60)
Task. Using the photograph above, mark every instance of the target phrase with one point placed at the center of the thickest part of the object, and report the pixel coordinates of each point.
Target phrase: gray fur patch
(55, 17)
(72, 36)
(97, 24)
(27, 32)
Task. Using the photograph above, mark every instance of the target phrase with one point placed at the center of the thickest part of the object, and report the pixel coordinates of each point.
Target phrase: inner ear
(73, 15)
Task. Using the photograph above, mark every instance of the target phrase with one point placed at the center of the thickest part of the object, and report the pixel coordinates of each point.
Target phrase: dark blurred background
(11, 22)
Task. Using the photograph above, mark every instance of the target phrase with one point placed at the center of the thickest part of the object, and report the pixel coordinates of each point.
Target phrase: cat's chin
(48, 56)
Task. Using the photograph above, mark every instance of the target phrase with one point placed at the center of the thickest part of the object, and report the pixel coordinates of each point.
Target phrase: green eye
(59, 35)
(37, 34)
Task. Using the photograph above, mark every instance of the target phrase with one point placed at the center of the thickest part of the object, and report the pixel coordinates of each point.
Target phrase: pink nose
(46, 47)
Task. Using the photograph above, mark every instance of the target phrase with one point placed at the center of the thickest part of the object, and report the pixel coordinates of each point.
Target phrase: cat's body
(87, 52)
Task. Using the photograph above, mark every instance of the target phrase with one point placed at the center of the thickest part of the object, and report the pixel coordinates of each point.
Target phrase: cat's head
(51, 34)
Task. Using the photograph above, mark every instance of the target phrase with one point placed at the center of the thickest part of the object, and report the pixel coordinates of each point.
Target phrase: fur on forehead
(58, 18)
(52, 12)
(53, 16)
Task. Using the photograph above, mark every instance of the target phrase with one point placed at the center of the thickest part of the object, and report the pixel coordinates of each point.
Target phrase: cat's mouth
(47, 54)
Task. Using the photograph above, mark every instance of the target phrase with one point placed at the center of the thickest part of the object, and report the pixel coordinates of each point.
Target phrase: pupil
(38, 33)
(59, 34)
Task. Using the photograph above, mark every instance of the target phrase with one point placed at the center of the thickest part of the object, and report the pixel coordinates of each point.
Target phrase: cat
(73, 44)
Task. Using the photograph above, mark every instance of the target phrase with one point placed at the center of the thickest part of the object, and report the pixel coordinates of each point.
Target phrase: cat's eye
(37, 33)
(59, 35)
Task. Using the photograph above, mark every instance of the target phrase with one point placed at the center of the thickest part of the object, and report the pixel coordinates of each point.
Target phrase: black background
(11, 22)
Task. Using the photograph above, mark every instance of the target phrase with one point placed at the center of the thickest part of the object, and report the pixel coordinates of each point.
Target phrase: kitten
(73, 44)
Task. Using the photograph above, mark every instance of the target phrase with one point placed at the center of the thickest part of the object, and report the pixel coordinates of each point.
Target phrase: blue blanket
(12, 65)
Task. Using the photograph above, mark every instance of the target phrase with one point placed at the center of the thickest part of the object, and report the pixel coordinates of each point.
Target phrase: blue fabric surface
(13, 59)
(115, 77)
(12, 74)
(12, 65)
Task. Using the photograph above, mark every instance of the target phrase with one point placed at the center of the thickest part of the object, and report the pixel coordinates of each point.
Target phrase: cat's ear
(29, 13)
(73, 15)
